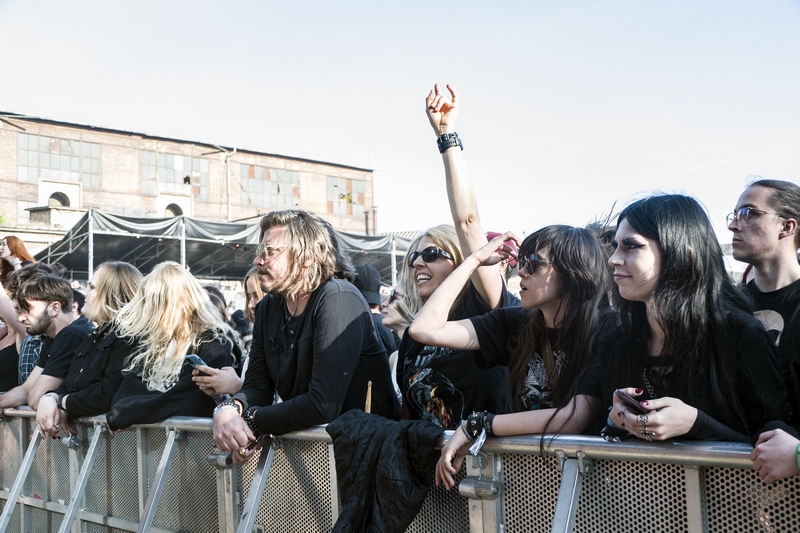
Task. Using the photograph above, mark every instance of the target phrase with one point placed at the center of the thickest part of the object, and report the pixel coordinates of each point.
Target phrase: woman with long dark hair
(546, 344)
(688, 346)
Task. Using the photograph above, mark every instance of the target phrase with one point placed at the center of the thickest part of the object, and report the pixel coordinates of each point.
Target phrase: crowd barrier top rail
(689, 453)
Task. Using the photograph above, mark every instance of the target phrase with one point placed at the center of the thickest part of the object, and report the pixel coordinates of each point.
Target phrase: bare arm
(431, 326)
(461, 195)
(42, 385)
(564, 421)
(9, 314)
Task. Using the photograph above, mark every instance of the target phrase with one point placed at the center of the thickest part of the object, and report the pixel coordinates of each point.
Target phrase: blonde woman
(169, 317)
(95, 371)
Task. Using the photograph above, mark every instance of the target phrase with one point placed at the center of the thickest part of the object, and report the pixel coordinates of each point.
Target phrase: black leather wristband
(448, 140)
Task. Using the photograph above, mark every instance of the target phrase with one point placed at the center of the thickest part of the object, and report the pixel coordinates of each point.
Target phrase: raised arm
(442, 112)
(431, 326)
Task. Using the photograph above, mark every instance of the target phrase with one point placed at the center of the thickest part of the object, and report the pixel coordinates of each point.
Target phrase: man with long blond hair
(314, 342)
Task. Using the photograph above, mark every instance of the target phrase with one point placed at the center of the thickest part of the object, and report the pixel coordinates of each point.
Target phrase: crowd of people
(632, 331)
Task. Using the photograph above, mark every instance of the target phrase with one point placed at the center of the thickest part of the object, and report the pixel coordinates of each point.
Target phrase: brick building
(52, 172)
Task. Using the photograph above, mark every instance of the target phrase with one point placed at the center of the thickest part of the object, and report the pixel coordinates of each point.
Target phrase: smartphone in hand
(631, 402)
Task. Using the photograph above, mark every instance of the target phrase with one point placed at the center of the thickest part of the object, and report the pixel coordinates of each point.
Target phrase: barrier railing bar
(260, 476)
(83, 478)
(19, 481)
(695, 496)
(159, 481)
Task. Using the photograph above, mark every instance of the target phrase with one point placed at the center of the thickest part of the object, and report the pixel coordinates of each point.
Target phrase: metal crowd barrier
(168, 478)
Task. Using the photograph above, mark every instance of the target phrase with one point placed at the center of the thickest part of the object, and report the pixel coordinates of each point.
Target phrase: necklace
(647, 384)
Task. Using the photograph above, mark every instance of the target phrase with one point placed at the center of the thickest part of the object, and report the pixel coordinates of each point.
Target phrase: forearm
(433, 317)
(571, 419)
(14, 398)
(42, 385)
(706, 427)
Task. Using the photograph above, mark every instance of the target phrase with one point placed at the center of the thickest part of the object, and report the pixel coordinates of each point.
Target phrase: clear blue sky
(567, 107)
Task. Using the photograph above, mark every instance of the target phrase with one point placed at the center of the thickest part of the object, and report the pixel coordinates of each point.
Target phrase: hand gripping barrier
(168, 477)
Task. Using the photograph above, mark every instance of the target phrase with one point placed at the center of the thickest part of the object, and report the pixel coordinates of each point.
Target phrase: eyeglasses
(395, 295)
(269, 250)
(529, 263)
(429, 255)
(743, 214)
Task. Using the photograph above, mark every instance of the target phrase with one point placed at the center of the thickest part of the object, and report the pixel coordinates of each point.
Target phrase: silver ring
(642, 419)
(648, 437)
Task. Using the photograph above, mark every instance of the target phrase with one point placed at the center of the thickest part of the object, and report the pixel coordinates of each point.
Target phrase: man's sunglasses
(529, 263)
(429, 255)
(744, 213)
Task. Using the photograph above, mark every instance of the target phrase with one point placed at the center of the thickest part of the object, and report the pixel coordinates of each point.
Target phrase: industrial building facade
(52, 172)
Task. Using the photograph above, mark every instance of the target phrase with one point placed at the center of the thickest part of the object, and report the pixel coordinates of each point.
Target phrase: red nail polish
(638, 391)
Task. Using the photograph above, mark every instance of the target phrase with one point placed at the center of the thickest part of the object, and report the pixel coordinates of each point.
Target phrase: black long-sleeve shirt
(318, 362)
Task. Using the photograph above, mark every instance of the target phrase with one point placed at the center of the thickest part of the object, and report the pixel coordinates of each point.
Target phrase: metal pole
(394, 262)
(183, 240)
(90, 267)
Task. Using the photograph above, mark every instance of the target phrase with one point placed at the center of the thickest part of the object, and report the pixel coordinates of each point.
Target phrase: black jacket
(384, 470)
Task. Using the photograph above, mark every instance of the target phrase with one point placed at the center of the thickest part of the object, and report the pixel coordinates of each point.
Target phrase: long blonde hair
(444, 236)
(117, 282)
(169, 315)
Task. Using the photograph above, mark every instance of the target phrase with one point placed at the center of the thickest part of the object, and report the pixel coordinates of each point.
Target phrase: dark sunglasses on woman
(429, 255)
(529, 263)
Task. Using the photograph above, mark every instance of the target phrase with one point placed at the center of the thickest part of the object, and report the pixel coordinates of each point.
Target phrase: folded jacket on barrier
(384, 470)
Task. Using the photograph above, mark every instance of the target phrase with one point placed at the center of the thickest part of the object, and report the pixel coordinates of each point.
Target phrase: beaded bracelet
(250, 417)
(227, 404)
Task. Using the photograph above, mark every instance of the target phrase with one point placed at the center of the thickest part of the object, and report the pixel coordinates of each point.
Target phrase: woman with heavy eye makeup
(689, 359)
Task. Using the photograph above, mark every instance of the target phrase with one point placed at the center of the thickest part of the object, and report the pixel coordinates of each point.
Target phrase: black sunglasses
(529, 263)
(429, 255)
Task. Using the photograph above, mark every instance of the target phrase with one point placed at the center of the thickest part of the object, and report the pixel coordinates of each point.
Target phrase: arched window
(58, 199)
(173, 210)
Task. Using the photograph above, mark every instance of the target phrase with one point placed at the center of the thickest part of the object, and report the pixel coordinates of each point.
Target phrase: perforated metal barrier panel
(686, 487)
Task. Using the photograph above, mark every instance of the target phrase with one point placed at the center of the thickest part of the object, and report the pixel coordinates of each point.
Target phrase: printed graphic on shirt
(536, 388)
(772, 322)
(432, 394)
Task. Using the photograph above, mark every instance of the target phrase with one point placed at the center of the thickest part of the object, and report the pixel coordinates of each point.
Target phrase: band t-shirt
(443, 385)
(779, 312)
(495, 330)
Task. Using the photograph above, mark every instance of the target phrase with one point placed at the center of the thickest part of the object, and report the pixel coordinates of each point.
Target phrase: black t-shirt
(758, 383)
(9, 359)
(779, 312)
(444, 386)
(319, 363)
(56, 355)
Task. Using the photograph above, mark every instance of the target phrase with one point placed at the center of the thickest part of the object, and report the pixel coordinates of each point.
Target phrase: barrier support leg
(83, 478)
(569, 492)
(256, 489)
(19, 481)
(160, 480)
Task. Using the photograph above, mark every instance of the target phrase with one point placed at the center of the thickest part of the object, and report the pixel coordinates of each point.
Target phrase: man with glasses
(765, 235)
(314, 342)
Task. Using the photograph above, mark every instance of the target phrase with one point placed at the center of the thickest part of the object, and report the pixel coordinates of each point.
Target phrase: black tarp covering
(214, 250)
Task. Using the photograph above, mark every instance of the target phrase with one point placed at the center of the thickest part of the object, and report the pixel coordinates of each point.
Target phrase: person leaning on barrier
(313, 340)
(169, 317)
(703, 366)
(44, 302)
(765, 235)
(546, 344)
(95, 372)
